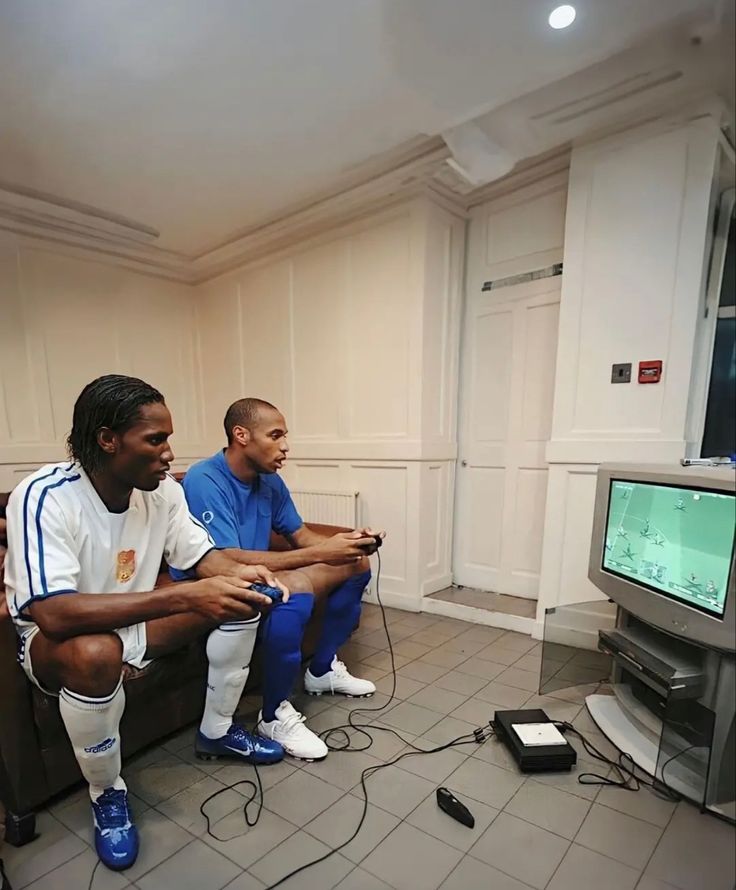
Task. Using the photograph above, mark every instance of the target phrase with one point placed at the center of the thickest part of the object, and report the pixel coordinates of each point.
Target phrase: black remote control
(274, 594)
(452, 806)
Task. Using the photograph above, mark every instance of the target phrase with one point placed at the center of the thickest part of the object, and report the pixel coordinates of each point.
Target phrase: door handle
(463, 463)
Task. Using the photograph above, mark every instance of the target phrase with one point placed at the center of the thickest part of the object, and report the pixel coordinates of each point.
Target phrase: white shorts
(134, 649)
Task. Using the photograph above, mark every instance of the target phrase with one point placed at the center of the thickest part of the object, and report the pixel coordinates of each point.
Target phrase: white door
(507, 385)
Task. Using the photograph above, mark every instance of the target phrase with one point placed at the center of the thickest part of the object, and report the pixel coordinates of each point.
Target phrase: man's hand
(345, 547)
(224, 598)
(262, 575)
(371, 533)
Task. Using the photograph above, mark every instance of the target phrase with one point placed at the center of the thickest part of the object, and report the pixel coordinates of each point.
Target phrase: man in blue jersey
(240, 498)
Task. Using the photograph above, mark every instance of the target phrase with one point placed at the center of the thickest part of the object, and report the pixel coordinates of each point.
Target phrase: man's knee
(362, 566)
(96, 659)
(296, 581)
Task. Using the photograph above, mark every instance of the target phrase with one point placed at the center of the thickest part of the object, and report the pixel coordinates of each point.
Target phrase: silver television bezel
(670, 615)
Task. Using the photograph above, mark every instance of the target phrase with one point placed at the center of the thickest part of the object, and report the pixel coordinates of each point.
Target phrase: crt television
(663, 547)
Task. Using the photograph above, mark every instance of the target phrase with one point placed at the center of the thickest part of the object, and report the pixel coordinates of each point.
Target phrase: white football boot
(289, 731)
(338, 681)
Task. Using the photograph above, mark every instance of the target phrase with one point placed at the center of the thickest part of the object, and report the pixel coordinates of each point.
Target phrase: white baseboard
(393, 600)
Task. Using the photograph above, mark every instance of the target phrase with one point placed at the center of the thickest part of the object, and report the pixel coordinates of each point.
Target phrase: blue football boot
(239, 744)
(116, 838)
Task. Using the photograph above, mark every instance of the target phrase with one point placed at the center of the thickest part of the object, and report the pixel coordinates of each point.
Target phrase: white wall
(517, 232)
(354, 336)
(65, 321)
(638, 217)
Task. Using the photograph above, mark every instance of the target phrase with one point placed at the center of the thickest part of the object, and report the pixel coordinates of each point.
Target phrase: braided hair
(113, 401)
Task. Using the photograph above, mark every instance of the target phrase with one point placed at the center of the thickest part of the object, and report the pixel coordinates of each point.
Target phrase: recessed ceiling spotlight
(562, 17)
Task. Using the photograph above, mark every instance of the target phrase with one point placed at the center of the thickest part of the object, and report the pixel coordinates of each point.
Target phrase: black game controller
(377, 541)
(273, 593)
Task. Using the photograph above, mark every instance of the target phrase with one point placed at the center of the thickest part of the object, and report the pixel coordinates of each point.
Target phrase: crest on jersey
(126, 565)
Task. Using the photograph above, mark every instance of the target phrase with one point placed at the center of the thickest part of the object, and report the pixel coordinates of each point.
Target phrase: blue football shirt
(237, 514)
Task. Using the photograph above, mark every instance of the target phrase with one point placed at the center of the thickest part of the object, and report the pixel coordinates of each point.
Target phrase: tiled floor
(545, 832)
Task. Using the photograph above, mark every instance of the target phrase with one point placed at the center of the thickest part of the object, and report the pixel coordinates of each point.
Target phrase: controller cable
(340, 738)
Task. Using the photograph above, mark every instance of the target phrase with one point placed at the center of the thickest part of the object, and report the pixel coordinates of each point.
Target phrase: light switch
(621, 373)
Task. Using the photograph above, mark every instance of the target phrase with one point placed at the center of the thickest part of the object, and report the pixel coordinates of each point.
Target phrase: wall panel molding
(65, 322)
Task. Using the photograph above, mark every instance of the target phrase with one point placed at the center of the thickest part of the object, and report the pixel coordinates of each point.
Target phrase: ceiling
(204, 120)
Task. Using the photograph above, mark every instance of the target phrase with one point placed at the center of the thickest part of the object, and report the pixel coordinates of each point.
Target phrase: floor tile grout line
(662, 828)
(221, 852)
(659, 841)
(441, 717)
(613, 858)
(348, 794)
(58, 864)
(541, 828)
(201, 838)
(610, 859)
(176, 852)
(483, 862)
(299, 828)
(507, 873)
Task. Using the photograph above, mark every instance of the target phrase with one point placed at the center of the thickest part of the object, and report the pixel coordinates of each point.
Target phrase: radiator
(328, 507)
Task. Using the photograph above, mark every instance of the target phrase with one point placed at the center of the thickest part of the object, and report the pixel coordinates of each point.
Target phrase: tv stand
(673, 707)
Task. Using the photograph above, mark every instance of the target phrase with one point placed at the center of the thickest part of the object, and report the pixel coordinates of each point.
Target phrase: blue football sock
(341, 615)
(281, 646)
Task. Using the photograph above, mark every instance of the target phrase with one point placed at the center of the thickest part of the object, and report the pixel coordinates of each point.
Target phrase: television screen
(676, 541)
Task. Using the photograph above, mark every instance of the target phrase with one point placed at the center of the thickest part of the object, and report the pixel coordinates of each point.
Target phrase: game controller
(273, 593)
(377, 541)
(447, 801)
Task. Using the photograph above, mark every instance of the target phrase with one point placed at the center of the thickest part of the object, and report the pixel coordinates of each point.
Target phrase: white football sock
(93, 726)
(229, 651)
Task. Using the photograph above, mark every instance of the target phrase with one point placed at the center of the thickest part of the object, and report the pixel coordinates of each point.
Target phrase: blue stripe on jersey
(26, 540)
(36, 598)
(25, 524)
(44, 585)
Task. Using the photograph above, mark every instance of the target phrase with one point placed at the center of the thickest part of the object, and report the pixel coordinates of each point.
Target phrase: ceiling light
(562, 17)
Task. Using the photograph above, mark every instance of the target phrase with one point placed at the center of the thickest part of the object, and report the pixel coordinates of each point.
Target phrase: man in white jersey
(85, 543)
(4, 882)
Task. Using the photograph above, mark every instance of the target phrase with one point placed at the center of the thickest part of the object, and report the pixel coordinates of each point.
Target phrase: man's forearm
(72, 614)
(276, 561)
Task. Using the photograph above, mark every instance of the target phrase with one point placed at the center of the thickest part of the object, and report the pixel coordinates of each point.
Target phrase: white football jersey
(63, 539)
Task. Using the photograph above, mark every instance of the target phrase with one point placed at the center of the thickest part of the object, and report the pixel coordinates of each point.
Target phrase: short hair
(244, 412)
(113, 401)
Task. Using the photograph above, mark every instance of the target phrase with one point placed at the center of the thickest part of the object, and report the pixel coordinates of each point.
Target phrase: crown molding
(97, 248)
(402, 182)
(527, 173)
(66, 227)
(43, 210)
(69, 228)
